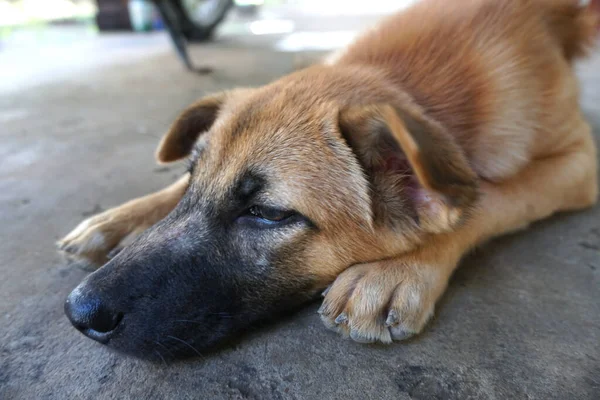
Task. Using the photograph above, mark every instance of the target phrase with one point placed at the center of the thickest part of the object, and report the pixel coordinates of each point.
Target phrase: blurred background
(69, 35)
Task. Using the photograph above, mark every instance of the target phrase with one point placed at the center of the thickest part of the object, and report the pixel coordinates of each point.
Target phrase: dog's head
(289, 185)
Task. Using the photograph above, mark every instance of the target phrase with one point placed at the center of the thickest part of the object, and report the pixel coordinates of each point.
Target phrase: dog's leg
(393, 299)
(94, 238)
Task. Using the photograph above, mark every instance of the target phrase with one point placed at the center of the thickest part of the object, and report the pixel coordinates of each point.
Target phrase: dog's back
(497, 74)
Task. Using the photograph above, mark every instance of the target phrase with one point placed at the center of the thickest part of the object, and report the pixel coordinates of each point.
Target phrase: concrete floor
(521, 318)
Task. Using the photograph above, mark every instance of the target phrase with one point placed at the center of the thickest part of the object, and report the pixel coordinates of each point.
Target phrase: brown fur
(445, 126)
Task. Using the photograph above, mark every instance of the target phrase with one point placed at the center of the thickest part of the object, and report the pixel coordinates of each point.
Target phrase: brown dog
(375, 173)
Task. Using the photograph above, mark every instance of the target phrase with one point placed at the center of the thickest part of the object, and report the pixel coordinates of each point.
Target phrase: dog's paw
(382, 301)
(96, 239)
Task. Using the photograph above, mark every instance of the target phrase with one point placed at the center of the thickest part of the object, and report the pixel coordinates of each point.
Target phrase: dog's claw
(326, 291)
(342, 319)
(321, 309)
(392, 318)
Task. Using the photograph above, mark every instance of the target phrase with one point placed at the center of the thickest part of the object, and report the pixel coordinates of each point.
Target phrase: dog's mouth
(154, 332)
(141, 334)
(169, 325)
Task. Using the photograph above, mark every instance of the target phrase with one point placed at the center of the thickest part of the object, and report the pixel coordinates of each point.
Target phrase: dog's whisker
(200, 322)
(222, 314)
(164, 347)
(187, 344)
(190, 321)
(160, 356)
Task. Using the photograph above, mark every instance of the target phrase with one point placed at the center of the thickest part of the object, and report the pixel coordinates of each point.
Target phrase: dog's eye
(269, 214)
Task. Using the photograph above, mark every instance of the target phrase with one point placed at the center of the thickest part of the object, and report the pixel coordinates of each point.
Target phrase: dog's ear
(415, 167)
(179, 140)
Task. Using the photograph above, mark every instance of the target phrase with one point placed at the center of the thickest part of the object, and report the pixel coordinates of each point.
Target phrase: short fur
(441, 128)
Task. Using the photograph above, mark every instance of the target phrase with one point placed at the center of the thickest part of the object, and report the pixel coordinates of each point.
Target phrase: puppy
(371, 175)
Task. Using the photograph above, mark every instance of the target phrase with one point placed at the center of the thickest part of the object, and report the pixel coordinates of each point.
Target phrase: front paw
(96, 238)
(382, 301)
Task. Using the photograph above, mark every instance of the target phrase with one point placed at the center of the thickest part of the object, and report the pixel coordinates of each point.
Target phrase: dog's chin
(184, 339)
(165, 348)
(178, 339)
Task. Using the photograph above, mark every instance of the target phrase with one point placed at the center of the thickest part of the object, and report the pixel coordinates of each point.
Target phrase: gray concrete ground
(521, 318)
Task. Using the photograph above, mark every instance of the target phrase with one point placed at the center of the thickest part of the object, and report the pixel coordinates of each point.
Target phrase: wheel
(199, 18)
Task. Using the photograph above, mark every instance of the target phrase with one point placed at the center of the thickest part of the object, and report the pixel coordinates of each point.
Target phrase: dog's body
(441, 128)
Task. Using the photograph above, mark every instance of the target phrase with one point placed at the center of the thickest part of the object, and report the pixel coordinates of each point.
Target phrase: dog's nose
(91, 315)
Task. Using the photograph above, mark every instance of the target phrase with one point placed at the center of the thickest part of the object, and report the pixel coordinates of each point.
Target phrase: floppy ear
(414, 165)
(179, 141)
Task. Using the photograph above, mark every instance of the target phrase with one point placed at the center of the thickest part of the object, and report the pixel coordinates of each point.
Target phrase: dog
(365, 178)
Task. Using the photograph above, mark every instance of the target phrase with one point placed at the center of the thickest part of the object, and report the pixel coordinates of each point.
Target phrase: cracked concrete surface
(521, 318)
